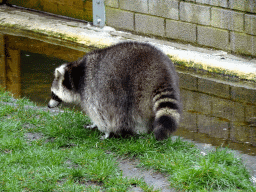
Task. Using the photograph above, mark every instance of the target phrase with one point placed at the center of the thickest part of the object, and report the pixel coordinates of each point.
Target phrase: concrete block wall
(218, 108)
(229, 25)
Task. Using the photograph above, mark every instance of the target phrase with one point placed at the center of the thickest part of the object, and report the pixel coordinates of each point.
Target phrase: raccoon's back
(135, 81)
(129, 61)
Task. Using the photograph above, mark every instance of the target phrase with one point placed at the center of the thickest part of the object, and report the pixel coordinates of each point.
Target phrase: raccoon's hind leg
(167, 113)
(93, 126)
(105, 136)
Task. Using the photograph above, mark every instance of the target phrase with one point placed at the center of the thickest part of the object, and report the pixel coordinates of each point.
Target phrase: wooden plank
(13, 75)
(2, 62)
(36, 46)
(78, 9)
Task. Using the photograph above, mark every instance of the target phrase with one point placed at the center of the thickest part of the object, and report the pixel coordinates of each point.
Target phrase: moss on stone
(215, 70)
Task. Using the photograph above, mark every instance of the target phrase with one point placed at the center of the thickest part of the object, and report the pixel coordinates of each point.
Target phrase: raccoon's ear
(60, 71)
(58, 74)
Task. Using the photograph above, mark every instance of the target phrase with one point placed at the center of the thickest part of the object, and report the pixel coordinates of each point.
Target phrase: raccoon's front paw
(105, 136)
(93, 126)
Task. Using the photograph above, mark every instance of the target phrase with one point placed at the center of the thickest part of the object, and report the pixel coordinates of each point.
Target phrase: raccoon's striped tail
(167, 113)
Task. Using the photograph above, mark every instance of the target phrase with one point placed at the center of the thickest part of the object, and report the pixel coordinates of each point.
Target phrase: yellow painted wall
(80, 9)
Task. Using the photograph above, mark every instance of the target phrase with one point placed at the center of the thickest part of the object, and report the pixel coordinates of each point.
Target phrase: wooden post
(2, 62)
(13, 83)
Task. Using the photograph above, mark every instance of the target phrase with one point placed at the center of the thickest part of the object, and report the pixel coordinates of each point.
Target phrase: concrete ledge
(83, 33)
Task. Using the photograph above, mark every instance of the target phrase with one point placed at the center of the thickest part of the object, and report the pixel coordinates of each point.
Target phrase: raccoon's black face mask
(55, 101)
(56, 98)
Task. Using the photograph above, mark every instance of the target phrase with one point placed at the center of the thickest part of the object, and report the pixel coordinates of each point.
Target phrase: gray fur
(126, 88)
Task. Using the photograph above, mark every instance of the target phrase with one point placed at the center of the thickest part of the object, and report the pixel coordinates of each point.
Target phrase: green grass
(67, 157)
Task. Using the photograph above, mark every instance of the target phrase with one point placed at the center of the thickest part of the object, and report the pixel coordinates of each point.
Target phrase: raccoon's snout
(55, 101)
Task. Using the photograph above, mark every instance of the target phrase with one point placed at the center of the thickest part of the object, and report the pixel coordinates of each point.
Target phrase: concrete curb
(218, 62)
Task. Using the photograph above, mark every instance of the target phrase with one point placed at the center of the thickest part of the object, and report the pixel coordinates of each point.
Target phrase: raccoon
(127, 88)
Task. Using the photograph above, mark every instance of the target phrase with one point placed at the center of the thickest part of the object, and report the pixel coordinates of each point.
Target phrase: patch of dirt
(92, 184)
(152, 178)
(33, 136)
(130, 170)
(28, 126)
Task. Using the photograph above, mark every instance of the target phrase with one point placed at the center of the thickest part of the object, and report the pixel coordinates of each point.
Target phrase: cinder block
(119, 18)
(219, 3)
(243, 94)
(253, 136)
(182, 96)
(213, 126)
(205, 104)
(190, 100)
(212, 37)
(213, 87)
(112, 3)
(149, 25)
(227, 19)
(240, 133)
(220, 129)
(194, 13)
(250, 113)
(189, 121)
(243, 43)
(188, 81)
(164, 8)
(205, 124)
(243, 5)
(228, 110)
(181, 30)
(196, 102)
(250, 24)
(237, 4)
(140, 6)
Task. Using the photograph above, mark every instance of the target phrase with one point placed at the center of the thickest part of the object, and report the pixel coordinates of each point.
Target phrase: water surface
(28, 66)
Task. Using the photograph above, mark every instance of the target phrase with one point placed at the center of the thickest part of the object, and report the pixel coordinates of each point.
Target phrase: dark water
(27, 66)
(37, 75)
